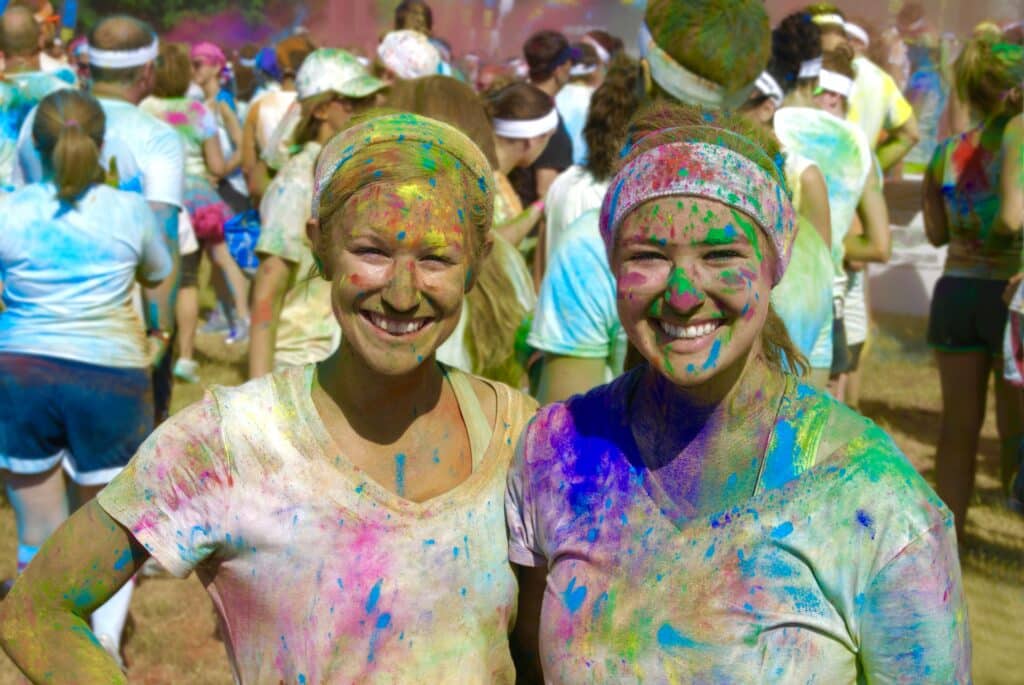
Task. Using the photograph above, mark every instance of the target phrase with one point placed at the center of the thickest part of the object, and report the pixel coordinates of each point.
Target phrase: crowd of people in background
(666, 250)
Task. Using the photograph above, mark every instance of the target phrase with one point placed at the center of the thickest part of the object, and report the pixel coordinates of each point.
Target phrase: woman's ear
(314, 231)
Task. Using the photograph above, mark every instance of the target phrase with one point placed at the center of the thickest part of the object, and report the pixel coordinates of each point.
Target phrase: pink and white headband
(702, 170)
(681, 83)
(526, 128)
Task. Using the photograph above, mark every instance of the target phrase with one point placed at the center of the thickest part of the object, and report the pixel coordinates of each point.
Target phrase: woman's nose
(401, 292)
(682, 295)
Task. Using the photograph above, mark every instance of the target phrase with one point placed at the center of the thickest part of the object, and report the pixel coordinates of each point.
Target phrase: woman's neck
(801, 96)
(361, 393)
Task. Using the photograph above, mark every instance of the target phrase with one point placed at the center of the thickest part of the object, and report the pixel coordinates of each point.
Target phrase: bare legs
(237, 283)
(964, 378)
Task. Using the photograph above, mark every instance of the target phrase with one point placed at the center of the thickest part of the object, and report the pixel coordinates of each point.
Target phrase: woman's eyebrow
(727, 235)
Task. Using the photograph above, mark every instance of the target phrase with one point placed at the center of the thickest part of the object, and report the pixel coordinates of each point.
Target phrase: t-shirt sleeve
(282, 217)
(898, 108)
(575, 313)
(174, 495)
(156, 262)
(520, 514)
(913, 616)
(164, 169)
(558, 153)
(30, 165)
(205, 121)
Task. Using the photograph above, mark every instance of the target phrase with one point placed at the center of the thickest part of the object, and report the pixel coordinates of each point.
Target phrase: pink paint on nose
(680, 293)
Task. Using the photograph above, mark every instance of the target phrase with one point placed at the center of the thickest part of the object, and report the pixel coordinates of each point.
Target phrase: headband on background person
(831, 19)
(602, 53)
(124, 59)
(526, 128)
(856, 32)
(582, 69)
(364, 154)
(768, 86)
(708, 171)
(680, 82)
(835, 82)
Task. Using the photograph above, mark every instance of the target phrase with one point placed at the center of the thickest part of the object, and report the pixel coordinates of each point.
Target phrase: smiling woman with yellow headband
(706, 517)
(346, 517)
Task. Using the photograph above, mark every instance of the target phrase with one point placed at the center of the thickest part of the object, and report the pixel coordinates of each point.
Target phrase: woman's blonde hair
(68, 132)
(665, 122)
(989, 74)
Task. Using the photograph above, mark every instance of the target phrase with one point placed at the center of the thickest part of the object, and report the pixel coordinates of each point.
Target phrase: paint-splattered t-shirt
(841, 567)
(576, 312)
(969, 168)
(876, 103)
(307, 331)
(193, 121)
(19, 93)
(573, 104)
(68, 274)
(320, 574)
(573, 192)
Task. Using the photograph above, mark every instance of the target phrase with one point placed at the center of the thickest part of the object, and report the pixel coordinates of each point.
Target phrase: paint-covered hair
(173, 71)
(795, 40)
(726, 42)
(665, 123)
(989, 74)
(68, 132)
(611, 107)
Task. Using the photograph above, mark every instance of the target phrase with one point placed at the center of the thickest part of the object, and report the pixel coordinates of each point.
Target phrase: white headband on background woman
(856, 32)
(526, 128)
(835, 82)
(810, 68)
(124, 59)
(768, 86)
(602, 54)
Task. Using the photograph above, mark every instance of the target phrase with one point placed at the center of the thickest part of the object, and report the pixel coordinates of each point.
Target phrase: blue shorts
(90, 419)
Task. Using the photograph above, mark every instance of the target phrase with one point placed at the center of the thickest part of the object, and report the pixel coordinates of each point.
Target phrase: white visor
(526, 128)
(582, 69)
(835, 83)
(124, 59)
(857, 33)
(767, 85)
(828, 20)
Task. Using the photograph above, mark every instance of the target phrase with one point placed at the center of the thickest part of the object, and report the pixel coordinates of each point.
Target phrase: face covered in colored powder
(694, 277)
(400, 264)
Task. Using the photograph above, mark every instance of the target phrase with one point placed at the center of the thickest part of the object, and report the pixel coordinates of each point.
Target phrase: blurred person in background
(968, 314)
(75, 359)
(407, 54)
(573, 100)
(204, 167)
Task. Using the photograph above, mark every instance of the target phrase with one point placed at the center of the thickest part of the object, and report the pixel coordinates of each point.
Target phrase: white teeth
(688, 332)
(396, 327)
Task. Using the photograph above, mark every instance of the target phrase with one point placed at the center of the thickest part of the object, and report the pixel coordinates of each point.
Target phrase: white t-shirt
(576, 314)
(155, 148)
(68, 279)
(573, 192)
(320, 574)
(573, 104)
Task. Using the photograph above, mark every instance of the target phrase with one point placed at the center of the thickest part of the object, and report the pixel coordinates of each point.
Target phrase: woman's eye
(718, 255)
(438, 259)
(646, 256)
(369, 251)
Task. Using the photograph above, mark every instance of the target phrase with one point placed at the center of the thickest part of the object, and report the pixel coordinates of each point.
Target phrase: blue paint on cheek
(710, 553)
(782, 531)
(373, 597)
(401, 235)
(574, 596)
(716, 347)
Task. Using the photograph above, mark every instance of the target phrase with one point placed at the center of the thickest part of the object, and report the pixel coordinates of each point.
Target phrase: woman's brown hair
(173, 71)
(68, 133)
(612, 106)
(518, 101)
(664, 123)
(839, 60)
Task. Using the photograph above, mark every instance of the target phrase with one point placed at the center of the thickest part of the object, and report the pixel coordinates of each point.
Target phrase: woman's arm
(518, 227)
(213, 155)
(814, 202)
(1011, 184)
(875, 244)
(234, 131)
(525, 638)
(268, 291)
(936, 226)
(563, 376)
(44, 621)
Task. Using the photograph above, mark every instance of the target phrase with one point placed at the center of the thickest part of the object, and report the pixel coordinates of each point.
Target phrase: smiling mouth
(396, 326)
(694, 331)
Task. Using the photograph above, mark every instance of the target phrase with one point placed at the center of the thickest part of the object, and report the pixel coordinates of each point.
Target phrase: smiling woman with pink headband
(706, 517)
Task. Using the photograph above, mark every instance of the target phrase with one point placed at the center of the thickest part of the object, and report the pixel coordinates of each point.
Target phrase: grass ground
(174, 641)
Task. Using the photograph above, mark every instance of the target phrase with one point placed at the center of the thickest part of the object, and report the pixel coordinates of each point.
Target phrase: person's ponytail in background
(68, 133)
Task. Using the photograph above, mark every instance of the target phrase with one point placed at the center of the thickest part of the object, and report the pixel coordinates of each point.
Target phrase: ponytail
(68, 133)
(75, 161)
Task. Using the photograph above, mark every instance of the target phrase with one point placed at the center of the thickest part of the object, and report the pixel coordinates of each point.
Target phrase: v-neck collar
(362, 483)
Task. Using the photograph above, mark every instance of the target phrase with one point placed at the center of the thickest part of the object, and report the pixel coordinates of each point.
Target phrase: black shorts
(968, 315)
(190, 269)
(840, 350)
(854, 354)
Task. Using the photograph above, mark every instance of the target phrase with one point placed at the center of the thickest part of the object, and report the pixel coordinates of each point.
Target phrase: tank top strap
(796, 437)
(477, 426)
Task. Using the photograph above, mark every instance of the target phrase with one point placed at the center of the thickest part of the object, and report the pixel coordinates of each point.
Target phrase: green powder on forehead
(749, 230)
